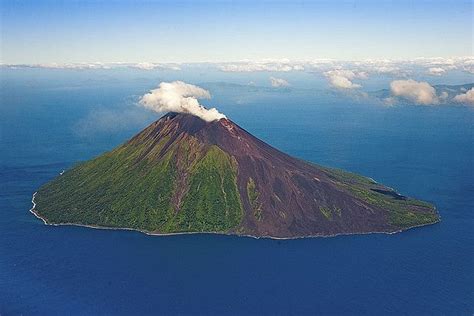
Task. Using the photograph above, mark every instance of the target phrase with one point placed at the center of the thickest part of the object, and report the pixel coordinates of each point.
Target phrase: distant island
(182, 174)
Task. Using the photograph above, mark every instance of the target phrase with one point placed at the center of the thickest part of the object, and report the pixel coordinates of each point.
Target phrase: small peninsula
(183, 174)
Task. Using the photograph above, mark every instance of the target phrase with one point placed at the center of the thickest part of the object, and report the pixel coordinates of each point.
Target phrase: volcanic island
(183, 174)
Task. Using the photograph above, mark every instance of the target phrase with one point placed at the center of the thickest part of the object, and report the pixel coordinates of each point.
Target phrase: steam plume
(178, 96)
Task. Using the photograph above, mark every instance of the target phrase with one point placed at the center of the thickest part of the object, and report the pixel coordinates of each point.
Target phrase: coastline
(33, 211)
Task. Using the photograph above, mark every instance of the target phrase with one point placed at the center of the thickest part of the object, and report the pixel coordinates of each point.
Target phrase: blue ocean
(52, 119)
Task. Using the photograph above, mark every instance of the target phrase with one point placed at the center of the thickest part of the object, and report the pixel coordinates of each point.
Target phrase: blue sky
(216, 31)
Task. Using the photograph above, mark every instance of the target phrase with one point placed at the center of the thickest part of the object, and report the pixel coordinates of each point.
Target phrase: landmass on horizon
(184, 174)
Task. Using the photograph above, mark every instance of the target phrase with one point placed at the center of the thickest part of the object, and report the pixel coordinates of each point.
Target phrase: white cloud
(442, 62)
(270, 65)
(436, 71)
(97, 65)
(380, 66)
(152, 66)
(465, 63)
(468, 65)
(387, 70)
(444, 96)
(418, 92)
(278, 82)
(144, 66)
(180, 97)
(342, 79)
(396, 68)
(465, 98)
(78, 66)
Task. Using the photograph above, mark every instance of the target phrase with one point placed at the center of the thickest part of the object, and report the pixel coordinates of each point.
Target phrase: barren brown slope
(219, 178)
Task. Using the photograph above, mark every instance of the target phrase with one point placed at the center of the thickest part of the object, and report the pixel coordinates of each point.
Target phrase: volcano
(183, 174)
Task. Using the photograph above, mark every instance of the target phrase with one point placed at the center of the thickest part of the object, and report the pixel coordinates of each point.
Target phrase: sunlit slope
(182, 174)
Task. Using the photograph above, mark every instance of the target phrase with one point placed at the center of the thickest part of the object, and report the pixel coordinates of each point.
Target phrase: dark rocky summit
(183, 174)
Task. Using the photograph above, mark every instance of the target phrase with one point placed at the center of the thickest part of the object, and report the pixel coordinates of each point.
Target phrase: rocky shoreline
(44, 220)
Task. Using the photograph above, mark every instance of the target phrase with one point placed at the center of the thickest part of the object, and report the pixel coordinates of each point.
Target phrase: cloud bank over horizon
(414, 80)
(181, 97)
(431, 65)
(98, 66)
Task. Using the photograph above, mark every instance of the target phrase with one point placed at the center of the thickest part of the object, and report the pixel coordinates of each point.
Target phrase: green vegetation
(166, 181)
(329, 213)
(403, 212)
(403, 218)
(115, 190)
(253, 195)
(213, 201)
(345, 176)
(133, 187)
(326, 212)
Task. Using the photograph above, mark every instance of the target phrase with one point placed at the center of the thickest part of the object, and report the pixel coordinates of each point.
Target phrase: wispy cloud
(110, 121)
(441, 65)
(78, 66)
(278, 82)
(468, 65)
(342, 79)
(152, 66)
(436, 71)
(98, 65)
(270, 65)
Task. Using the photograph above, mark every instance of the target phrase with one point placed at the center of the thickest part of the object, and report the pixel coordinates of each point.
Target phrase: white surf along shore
(32, 210)
(35, 213)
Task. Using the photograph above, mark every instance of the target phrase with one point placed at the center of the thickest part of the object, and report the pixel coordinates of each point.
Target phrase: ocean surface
(50, 120)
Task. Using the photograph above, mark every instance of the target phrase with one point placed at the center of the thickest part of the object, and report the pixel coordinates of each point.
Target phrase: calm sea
(50, 120)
